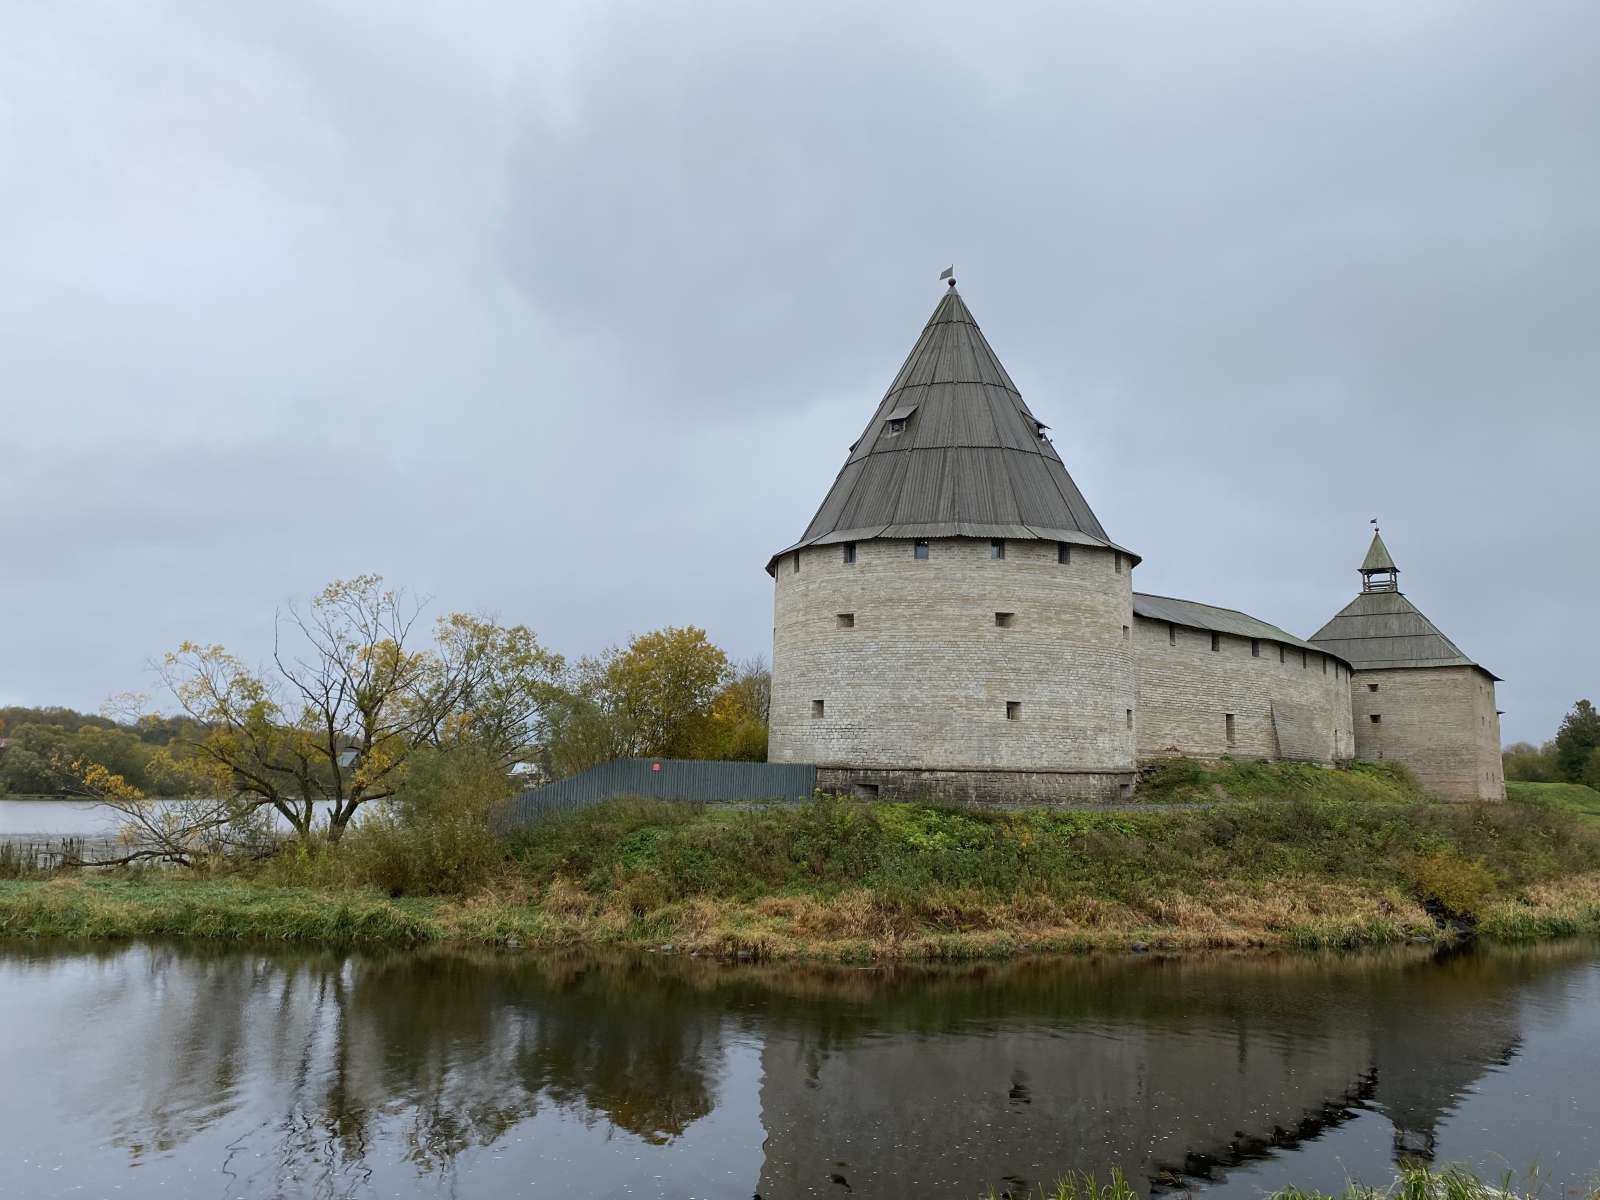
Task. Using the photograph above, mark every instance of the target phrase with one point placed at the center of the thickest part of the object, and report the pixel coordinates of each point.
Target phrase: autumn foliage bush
(437, 836)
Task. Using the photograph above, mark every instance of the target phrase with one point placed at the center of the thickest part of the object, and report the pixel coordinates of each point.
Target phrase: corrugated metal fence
(665, 779)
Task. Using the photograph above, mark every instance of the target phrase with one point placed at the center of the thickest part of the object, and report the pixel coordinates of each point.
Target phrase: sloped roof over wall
(1385, 631)
(970, 461)
(1218, 620)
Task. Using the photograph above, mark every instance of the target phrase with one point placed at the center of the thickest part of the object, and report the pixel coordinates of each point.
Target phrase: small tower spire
(1378, 572)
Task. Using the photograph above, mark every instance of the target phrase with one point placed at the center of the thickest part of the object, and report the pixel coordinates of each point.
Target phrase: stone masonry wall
(921, 679)
(998, 789)
(1439, 721)
(1285, 703)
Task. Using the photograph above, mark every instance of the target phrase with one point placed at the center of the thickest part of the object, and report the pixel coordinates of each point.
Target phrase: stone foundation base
(999, 789)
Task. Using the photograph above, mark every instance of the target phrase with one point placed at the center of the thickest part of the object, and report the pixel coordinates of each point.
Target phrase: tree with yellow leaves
(199, 823)
(670, 693)
(352, 692)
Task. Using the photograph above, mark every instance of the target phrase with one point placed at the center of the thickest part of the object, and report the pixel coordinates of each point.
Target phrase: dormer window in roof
(1039, 428)
(897, 419)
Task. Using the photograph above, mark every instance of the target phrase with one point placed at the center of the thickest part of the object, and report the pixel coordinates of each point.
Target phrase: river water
(149, 1070)
(50, 819)
(57, 818)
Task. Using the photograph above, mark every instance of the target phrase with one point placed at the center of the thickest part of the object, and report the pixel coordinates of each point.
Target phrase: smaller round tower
(955, 622)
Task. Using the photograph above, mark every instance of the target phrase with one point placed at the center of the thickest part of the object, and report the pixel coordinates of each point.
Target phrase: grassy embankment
(1284, 856)
(1573, 797)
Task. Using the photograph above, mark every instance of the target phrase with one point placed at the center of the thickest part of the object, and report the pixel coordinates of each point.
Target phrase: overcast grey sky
(568, 312)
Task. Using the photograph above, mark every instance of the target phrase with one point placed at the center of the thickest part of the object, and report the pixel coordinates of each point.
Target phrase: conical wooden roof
(953, 451)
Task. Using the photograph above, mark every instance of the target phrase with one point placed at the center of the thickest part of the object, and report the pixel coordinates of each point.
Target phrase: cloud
(570, 311)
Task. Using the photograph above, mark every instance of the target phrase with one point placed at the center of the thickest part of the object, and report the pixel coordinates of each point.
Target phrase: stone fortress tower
(955, 621)
(956, 624)
(1415, 697)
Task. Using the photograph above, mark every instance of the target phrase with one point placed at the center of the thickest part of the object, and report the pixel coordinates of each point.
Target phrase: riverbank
(1308, 859)
(852, 926)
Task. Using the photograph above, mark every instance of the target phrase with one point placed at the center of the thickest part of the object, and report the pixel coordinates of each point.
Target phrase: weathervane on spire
(1378, 563)
(950, 274)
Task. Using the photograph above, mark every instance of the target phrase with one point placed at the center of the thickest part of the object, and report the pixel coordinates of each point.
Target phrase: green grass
(1282, 855)
(658, 853)
(1573, 797)
(1080, 1185)
(1182, 780)
(14, 865)
(145, 907)
(1414, 1182)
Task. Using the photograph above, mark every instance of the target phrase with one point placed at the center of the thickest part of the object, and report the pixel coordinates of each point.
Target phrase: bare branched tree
(752, 680)
(351, 694)
(185, 830)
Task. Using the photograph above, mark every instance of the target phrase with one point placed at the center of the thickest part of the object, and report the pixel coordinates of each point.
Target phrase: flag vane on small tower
(950, 274)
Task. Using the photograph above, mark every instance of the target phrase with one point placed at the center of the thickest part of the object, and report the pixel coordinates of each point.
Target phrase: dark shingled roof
(970, 461)
(1379, 631)
(1218, 620)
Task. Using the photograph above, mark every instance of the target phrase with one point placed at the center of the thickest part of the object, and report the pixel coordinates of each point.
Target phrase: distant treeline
(1572, 756)
(36, 743)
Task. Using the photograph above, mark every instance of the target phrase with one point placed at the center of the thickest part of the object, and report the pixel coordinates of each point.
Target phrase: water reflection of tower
(1169, 1068)
(1462, 1017)
(1183, 1070)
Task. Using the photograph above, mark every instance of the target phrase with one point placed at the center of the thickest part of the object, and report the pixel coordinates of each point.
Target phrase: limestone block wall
(1285, 703)
(898, 663)
(1439, 721)
(988, 788)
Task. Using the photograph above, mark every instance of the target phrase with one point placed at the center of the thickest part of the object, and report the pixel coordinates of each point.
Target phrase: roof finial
(950, 274)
